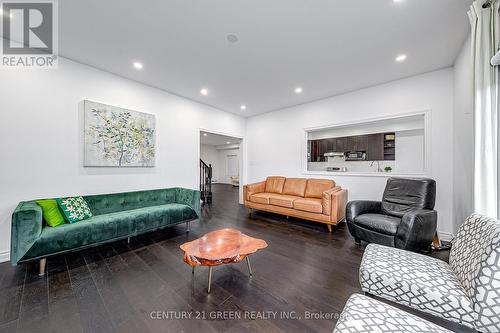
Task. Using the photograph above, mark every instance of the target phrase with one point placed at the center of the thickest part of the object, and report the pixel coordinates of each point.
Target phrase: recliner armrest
(250, 189)
(416, 230)
(359, 207)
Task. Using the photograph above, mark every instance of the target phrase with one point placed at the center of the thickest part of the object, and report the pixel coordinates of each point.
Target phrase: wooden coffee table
(225, 246)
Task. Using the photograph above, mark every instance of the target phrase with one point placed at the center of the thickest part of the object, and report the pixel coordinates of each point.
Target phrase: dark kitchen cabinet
(340, 144)
(378, 147)
(356, 143)
(375, 148)
(331, 145)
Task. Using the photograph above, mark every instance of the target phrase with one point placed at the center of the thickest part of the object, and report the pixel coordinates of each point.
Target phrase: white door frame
(241, 154)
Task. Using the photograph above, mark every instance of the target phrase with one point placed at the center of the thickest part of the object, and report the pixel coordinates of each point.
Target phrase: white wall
(41, 133)
(410, 151)
(463, 136)
(283, 148)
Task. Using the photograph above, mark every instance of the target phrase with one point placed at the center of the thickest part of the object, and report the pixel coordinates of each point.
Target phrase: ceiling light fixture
(398, 1)
(204, 92)
(137, 65)
(228, 142)
(298, 90)
(205, 134)
(401, 58)
(243, 107)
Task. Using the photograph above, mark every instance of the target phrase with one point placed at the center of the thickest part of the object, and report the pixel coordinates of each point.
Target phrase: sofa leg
(128, 240)
(43, 264)
(249, 211)
(329, 226)
(188, 226)
(357, 241)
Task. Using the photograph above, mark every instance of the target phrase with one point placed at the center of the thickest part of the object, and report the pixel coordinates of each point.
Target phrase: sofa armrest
(189, 197)
(416, 230)
(359, 207)
(250, 189)
(26, 229)
(334, 203)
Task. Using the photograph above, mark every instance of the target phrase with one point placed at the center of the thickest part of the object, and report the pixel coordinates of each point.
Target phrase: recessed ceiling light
(401, 58)
(137, 65)
(204, 92)
(228, 142)
(298, 90)
(205, 134)
(243, 107)
(398, 1)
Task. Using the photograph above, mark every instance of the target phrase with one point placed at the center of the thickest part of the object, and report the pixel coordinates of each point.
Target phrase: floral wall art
(116, 137)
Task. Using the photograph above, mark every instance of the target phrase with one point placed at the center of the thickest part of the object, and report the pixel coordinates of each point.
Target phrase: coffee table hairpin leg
(248, 264)
(209, 278)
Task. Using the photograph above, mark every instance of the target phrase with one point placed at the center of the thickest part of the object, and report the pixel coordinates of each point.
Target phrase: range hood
(334, 154)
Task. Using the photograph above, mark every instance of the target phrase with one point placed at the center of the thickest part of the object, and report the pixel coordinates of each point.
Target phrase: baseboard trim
(445, 236)
(4, 256)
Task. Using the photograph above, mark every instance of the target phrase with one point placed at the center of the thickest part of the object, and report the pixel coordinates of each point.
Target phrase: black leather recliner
(405, 218)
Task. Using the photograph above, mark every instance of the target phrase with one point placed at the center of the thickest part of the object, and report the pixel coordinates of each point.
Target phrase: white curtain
(485, 42)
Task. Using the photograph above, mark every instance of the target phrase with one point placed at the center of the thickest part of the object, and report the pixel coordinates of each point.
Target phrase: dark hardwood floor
(119, 287)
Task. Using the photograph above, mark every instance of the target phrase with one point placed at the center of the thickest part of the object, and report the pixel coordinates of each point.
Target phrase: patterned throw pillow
(74, 208)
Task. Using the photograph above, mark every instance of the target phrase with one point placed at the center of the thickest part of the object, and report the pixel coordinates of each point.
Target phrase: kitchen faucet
(378, 166)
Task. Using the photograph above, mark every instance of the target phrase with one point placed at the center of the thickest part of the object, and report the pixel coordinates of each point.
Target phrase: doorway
(220, 164)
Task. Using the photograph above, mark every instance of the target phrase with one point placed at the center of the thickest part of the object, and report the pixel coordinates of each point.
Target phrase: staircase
(205, 182)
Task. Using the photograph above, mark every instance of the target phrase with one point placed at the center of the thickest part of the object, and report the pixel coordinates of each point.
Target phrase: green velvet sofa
(115, 216)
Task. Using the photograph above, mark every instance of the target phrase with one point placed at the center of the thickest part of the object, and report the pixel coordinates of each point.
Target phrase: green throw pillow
(74, 209)
(51, 212)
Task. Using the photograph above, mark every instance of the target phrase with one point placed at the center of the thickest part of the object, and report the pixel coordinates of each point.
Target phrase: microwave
(355, 156)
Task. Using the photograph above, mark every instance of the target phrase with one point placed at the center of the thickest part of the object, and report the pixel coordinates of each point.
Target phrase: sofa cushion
(417, 281)
(295, 186)
(282, 200)
(117, 202)
(309, 205)
(316, 187)
(275, 184)
(262, 198)
(106, 227)
(364, 314)
(51, 212)
(384, 224)
(74, 209)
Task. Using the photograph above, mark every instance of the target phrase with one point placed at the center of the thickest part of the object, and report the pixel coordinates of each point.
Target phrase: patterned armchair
(465, 291)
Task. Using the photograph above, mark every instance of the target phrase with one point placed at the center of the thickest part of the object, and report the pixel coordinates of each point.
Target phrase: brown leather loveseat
(318, 200)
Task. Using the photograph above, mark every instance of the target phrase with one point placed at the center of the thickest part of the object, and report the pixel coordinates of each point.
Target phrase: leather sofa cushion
(262, 198)
(106, 227)
(311, 205)
(316, 187)
(402, 195)
(275, 184)
(384, 224)
(295, 186)
(282, 200)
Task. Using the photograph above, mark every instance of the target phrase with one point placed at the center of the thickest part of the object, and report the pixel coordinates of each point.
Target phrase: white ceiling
(325, 46)
(217, 140)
